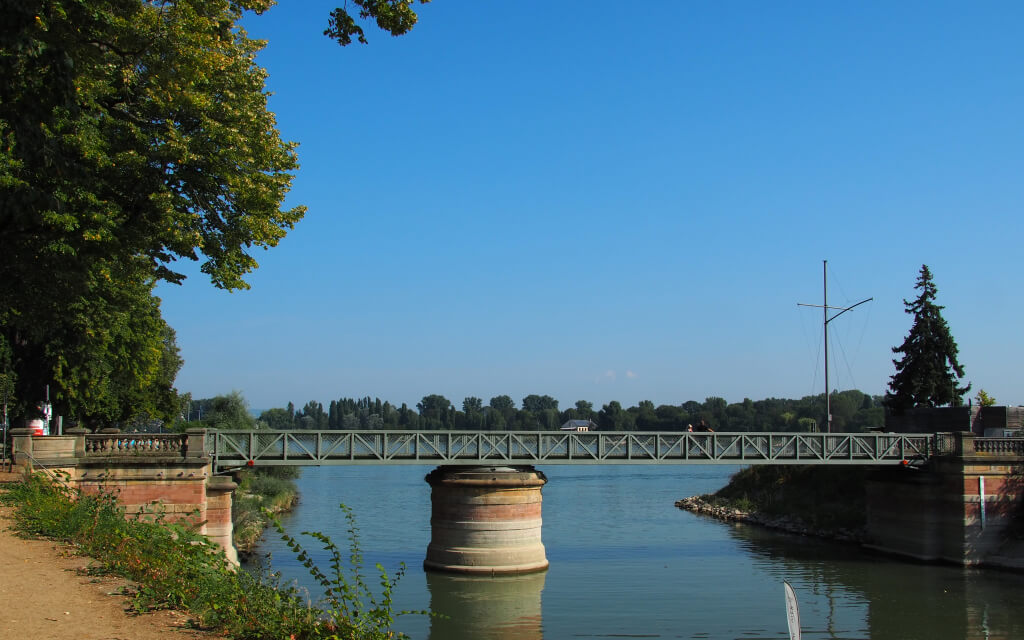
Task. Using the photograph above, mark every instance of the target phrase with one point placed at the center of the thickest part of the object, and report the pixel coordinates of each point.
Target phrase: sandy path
(45, 596)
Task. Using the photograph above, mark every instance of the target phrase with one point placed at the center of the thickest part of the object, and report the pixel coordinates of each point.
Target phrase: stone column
(21, 448)
(219, 528)
(486, 520)
(196, 445)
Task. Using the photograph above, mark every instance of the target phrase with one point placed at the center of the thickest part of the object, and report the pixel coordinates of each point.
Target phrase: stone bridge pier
(485, 520)
(167, 475)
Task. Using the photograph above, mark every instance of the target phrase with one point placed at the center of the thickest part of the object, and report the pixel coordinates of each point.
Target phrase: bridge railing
(238, 448)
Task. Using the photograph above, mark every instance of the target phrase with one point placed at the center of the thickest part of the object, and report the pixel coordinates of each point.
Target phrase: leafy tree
(644, 415)
(585, 410)
(506, 407)
(132, 134)
(502, 403)
(227, 412)
(434, 407)
(393, 16)
(670, 417)
(472, 416)
(714, 413)
(107, 354)
(472, 405)
(535, 403)
(612, 417)
(807, 424)
(495, 420)
(137, 129)
(692, 408)
(349, 422)
(277, 419)
(319, 418)
(985, 400)
(928, 373)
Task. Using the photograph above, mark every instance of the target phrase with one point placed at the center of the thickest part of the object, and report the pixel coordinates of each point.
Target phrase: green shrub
(175, 567)
(269, 487)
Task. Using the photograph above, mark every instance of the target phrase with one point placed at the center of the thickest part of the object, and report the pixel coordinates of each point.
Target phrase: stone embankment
(789, 524)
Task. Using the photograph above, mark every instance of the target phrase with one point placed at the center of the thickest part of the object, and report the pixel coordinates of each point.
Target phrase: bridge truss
(314, 448)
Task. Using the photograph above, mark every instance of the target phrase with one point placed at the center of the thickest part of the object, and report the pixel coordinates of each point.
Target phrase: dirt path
(45, 595)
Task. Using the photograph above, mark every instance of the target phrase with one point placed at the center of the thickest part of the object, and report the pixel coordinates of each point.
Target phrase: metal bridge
(506, 448)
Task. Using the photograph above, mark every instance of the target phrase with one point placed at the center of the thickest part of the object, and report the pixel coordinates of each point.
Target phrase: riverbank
(256, 492)
(48, 591)
(811, 501)
(168, 566)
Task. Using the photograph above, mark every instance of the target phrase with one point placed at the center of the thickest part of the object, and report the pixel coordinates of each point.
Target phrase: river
(625, 563)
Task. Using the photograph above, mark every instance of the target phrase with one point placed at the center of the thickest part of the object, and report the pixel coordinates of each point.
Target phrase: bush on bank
(269, 489)
(177, 568)
(824, 498)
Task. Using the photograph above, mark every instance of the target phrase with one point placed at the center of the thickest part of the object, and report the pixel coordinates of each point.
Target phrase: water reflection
(905, 600)
(505, 608)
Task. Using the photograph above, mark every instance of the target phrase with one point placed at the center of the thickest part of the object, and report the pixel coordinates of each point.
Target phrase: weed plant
(174, 567)
(351, 605)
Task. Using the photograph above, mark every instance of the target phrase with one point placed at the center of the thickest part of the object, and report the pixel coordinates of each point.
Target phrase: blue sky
(577, 200)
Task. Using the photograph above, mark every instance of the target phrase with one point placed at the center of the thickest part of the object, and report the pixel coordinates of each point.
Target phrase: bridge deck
(314, 448)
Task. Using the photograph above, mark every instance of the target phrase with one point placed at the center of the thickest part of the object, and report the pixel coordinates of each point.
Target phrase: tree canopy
(394, 16)
(853, 411)
(928, 373)
(132, 134)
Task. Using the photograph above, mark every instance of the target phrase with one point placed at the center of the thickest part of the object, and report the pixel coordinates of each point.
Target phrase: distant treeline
(851, 411)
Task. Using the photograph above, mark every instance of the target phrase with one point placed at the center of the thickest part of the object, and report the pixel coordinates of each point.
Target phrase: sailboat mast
(825, 320)
(824, 316)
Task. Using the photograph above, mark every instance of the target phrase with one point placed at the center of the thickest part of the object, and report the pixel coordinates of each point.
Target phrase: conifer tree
(928, 373)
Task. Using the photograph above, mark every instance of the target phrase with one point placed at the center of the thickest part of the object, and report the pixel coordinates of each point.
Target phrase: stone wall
(964, 507)
(166, 476)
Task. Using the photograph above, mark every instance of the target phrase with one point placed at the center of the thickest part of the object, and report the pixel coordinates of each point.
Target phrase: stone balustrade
(1001, 446)
(964, 443)
(136, 444)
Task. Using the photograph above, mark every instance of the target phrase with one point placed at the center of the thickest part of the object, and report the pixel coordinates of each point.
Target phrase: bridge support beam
(485, 520)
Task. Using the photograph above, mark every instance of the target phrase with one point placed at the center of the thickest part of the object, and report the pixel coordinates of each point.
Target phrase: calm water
(625, 563)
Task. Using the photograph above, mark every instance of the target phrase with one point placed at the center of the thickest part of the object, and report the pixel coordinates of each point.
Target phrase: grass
(178, 568)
